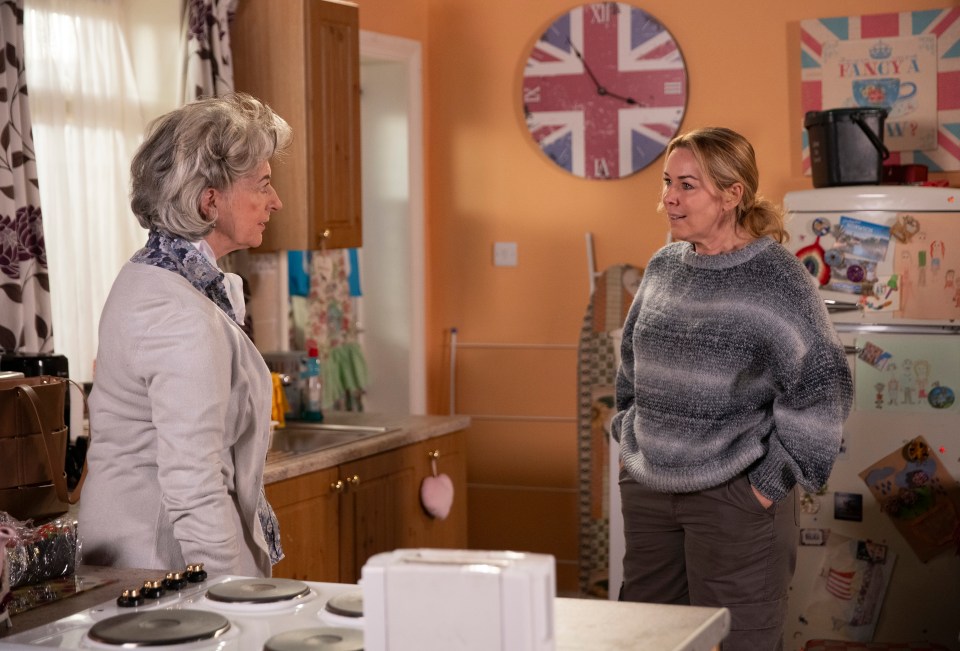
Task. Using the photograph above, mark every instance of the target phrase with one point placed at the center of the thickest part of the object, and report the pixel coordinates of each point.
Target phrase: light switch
(505, 254)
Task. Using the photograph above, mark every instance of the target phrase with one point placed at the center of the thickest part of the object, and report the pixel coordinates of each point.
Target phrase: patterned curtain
(25, 299)
(209, 60)
(210, 74)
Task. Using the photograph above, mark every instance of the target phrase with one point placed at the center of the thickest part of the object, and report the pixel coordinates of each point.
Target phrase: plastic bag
(39, 553)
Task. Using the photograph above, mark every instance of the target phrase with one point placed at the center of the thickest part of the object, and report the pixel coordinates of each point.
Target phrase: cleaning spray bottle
(312, 389)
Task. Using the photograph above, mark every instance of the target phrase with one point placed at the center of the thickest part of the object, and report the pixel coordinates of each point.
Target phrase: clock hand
(601, 90)
(628, 100)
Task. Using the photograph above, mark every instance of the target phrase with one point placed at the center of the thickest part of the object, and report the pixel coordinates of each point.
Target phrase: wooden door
(333, 87)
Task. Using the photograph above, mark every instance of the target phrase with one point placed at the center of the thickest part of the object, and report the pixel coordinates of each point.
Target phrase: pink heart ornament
(436, 495)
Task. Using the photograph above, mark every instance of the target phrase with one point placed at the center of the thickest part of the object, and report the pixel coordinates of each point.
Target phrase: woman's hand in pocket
(764, 502)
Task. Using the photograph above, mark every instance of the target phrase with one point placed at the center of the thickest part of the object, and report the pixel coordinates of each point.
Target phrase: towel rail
(456, 344)
(539, 419)
(521, 346)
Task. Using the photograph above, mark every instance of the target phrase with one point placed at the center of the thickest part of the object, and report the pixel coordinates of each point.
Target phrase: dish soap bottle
(312, 393)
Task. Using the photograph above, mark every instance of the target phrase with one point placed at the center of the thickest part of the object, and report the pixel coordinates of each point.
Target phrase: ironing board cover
(596, 377)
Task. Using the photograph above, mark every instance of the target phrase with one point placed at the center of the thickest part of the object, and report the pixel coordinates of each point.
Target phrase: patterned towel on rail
(596, 376)
(331, 326)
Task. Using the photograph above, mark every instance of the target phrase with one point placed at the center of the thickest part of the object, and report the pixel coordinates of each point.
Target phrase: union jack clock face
(604, 90)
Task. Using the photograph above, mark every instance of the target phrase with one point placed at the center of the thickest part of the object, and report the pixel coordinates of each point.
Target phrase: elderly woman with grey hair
(180, 408)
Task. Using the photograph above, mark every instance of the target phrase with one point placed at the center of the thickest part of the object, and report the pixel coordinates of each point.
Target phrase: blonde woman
(732, 390)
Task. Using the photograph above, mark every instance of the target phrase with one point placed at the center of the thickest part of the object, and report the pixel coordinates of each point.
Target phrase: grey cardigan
(179, 419)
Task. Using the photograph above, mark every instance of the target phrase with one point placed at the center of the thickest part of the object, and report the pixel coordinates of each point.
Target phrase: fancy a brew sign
(898, 74)
(907, 62)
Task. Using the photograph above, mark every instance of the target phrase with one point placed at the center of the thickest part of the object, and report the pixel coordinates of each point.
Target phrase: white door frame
(408, 52)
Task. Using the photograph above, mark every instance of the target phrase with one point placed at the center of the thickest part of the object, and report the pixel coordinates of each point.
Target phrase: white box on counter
(459, 600)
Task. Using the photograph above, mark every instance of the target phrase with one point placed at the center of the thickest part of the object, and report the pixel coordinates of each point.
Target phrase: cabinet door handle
(337, 486)
(434, 454)
(354, 481)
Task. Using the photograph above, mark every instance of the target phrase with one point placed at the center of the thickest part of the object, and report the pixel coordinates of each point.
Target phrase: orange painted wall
(406, 18)
(487, 182)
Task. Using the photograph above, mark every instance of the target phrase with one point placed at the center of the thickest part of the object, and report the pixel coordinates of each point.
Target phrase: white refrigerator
(879, 559)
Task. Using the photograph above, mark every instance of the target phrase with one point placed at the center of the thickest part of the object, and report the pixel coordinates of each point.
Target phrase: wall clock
(604, 90)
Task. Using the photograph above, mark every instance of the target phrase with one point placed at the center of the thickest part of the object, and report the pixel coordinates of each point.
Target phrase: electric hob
(190, 612)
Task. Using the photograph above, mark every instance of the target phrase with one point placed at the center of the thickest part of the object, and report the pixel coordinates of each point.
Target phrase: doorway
(390, 313)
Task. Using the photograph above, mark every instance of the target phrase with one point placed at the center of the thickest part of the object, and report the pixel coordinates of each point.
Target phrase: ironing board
(596, 376)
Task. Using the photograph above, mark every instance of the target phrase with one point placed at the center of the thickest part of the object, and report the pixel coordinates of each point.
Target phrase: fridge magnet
(809, 503)
(913, 488)
(834, 259)
(885, 296)
(856, 273)
(874, 355)
(863, 240)
(821, 226)
(940, 397)
(813, 258)
(904, 62)
(848, 506)
(905, 228)
(850, 587)
(813, 537)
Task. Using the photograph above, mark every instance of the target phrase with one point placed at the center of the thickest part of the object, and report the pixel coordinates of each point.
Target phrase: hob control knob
(196, 573)
(130, 598)
(152, 589)
(174, 581)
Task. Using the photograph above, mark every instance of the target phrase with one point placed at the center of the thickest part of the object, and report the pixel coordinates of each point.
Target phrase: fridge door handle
(840, 306)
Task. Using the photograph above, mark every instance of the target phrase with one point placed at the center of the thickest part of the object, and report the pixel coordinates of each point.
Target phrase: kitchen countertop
(594, 624)
(601, 625)
(409, 429)
(114, 580)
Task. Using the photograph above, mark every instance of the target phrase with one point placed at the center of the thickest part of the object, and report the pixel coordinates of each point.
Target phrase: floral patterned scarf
(181, 257)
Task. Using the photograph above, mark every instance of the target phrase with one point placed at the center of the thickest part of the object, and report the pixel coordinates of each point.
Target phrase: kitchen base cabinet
(333, 520)
(376, 510)
(308, 512)
(451, 458)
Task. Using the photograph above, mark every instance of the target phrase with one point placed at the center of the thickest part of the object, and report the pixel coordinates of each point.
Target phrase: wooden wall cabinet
(302, 57)
(333, 520)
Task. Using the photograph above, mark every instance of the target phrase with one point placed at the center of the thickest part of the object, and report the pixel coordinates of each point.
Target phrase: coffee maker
(33, 364)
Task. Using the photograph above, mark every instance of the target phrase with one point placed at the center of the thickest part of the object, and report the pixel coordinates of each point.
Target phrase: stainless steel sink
(299, 436)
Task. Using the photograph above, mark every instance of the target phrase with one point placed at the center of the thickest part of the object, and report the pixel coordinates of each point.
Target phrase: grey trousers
(717, 547)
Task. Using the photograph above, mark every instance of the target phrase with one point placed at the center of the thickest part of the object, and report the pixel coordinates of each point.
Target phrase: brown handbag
(33, 446)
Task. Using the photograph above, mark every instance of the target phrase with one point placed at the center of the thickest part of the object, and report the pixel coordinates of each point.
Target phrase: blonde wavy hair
(726, 158)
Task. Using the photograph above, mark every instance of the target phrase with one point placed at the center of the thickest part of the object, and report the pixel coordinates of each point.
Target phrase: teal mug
(885, 91)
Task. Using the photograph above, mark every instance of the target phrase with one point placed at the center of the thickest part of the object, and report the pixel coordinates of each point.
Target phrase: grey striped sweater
(730, 365)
